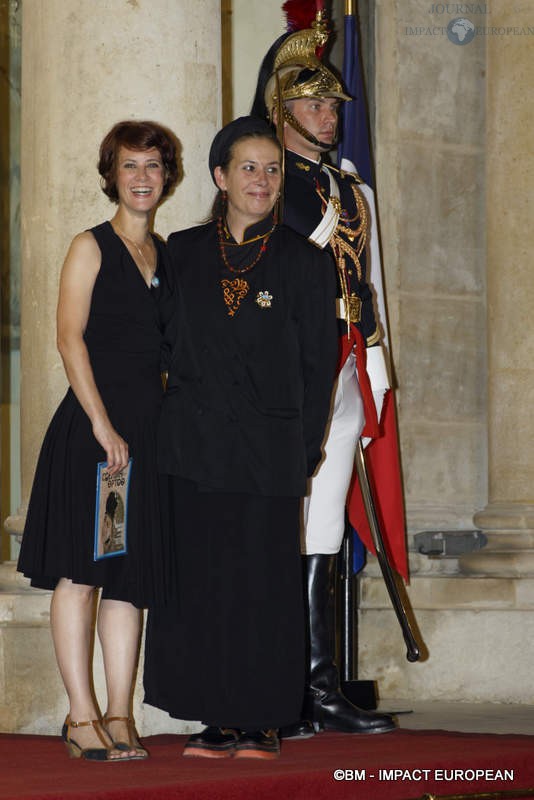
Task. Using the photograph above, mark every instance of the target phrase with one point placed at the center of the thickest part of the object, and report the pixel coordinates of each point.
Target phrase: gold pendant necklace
(154, 281)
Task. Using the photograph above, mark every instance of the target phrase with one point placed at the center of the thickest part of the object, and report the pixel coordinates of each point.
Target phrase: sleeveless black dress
(124, 337)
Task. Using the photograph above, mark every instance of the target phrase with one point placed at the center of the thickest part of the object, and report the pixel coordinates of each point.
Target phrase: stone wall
(81, 72)
(441, 101)
(430, 134)
(10, 55)
(454, 182)
(454, 174)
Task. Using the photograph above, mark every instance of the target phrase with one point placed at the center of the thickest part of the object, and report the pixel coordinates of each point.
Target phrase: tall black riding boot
(327, 707)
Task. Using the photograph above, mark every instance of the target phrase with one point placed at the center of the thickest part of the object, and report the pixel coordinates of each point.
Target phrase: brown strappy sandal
(132, 743)
(101, 754)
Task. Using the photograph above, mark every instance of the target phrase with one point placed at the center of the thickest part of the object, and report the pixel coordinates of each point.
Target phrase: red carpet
(396, 766)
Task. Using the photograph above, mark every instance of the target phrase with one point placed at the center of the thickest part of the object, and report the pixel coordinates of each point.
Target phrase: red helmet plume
(301, 13)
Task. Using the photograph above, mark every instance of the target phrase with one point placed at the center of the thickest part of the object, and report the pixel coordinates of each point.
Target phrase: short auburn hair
(136, 135)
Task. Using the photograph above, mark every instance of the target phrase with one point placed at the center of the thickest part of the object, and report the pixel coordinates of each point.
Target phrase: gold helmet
(292, 70)
(298, 72)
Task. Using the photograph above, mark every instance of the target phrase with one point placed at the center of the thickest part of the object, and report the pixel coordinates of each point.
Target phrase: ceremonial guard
(301, 97)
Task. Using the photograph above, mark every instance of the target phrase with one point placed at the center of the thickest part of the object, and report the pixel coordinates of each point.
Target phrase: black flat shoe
(258, 744)
(212, 742)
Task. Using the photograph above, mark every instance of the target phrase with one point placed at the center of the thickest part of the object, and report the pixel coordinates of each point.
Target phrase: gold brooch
(263, 299)
(233, 292)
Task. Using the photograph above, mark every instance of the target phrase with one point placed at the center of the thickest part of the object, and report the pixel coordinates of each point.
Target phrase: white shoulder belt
(324, 230)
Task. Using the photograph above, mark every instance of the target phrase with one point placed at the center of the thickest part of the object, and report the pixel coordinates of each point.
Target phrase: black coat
(248, 396)
(302, 213)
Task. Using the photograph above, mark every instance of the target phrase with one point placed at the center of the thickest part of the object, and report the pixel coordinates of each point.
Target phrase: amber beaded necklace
(221, 228)
(235, 290)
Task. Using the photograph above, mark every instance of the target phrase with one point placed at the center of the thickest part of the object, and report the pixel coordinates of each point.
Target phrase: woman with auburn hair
(115, 300)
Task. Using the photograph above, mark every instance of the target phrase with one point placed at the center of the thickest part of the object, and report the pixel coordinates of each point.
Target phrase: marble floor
(467, 717)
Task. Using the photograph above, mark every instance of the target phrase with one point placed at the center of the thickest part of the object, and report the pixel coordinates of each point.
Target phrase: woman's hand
(116, 448)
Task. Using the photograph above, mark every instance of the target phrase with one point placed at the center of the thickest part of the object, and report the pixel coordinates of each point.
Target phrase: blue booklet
(111, 513)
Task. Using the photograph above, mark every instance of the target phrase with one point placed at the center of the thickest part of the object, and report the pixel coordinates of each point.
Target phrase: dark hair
(222, 146)
(111, 504)
(269, 134)
(136, 136)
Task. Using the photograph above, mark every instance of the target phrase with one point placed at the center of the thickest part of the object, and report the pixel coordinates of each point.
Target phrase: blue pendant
(154, 282)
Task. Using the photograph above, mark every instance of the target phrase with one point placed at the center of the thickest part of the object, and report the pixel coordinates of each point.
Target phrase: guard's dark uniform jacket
(303, 212)
(248, 395)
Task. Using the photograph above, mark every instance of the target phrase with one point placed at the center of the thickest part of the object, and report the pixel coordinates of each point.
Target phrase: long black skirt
(228, 649)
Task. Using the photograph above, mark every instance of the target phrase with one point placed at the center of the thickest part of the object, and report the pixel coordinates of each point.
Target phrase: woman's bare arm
(78, 277)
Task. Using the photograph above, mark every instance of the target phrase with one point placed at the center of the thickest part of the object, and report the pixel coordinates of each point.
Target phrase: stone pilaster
(508, 519)
(83, 71)
(85, 67)
(429, 130)
(455, 176)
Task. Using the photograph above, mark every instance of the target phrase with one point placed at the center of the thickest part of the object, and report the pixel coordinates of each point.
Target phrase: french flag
(382, 454)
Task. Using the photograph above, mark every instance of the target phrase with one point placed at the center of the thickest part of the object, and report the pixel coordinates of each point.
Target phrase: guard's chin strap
(295, 124)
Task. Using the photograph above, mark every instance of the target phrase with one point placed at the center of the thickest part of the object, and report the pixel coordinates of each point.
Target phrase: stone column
(508, 519)
(453, 129)
(86, 66)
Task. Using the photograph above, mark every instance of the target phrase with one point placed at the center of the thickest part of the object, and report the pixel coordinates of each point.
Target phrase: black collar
(296, 164)
(256, 229)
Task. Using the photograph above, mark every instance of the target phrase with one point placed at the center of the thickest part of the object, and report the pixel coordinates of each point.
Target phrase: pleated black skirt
(228, 649)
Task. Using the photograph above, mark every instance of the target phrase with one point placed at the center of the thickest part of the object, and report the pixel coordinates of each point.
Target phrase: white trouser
(324, 506)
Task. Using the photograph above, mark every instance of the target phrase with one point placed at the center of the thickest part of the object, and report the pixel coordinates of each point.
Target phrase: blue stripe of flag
(354, 146)
(355, 142)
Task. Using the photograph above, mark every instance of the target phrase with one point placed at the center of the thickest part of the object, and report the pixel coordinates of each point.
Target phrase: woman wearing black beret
(241, 429)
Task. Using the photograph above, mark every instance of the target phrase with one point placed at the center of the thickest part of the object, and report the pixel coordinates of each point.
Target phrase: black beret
(240, 127)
